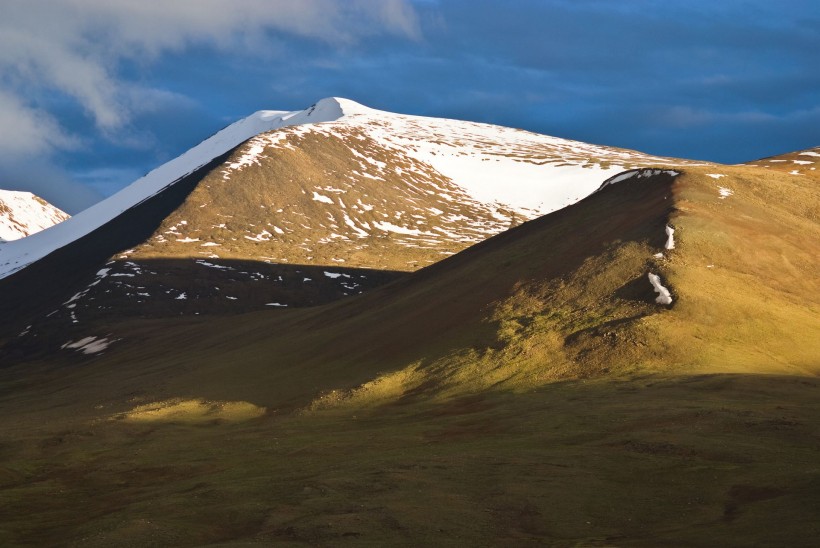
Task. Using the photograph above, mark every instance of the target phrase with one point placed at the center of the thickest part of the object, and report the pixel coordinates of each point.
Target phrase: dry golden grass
(526, 391)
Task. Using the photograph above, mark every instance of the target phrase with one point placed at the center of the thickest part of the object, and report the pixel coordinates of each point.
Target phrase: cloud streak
(73, 50)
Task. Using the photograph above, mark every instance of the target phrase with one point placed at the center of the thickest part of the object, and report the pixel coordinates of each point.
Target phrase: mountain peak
(342, 106)
(23, 213)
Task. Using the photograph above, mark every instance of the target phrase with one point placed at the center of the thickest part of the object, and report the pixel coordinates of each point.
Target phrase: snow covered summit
(23, 214)
(508, 174)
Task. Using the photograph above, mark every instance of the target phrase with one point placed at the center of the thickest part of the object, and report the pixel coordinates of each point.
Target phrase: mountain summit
(23, 214)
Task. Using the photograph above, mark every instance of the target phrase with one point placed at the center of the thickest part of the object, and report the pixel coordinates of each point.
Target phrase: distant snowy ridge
(19, 254)
(23, 214)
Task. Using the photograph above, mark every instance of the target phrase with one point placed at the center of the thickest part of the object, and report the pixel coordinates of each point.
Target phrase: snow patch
(321, 198)
(715, 175)
(670, 238)
(664, 297)
(89, 345)
(724, 192)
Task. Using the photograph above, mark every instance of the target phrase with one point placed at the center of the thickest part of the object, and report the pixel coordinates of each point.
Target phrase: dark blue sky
(95, 93)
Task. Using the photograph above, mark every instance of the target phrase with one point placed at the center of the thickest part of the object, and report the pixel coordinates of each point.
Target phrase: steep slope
(315, 207)
(22, 214)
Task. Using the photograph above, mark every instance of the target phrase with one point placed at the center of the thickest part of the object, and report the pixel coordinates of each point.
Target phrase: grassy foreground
(729, 460)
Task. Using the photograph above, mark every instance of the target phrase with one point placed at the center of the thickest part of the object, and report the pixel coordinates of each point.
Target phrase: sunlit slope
(23, 214)
(565, 296)
(798, 163)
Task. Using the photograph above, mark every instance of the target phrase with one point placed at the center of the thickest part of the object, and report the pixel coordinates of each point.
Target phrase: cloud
(48, 182)
(57, 55)
(75, 48)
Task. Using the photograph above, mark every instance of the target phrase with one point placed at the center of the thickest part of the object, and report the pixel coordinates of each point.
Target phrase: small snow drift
(670, 238)
(664, 297)
(89, 345)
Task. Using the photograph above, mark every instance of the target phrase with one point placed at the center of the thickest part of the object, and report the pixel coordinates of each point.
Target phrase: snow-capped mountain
(298, 208)
(506, 172)
(22, 214)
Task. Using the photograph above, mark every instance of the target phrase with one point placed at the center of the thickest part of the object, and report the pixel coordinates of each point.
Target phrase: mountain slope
(801, 162)
(315, 207)
(528, 390)
(22, 214)
(565, 296)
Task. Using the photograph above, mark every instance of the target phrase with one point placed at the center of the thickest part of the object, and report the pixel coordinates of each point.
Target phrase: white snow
(181, 297)
(88, 345)
(212, 265)
(716, 175)
(497, 167)
(724, 192)
(385, 226)
(23, 214)
(640, 173)
(794, 172)
(321, 198)
(670, 238)
(810, 153)
(275, 304)
(802, 162)
(209, 244)
(187, 240)
(263, 236)
(664, 297)
(332, 275)
(20, 253)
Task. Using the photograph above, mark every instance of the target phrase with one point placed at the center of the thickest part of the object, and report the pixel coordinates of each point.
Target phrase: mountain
(801, 162)
(638, 368)
(22, 214)
(317, 204)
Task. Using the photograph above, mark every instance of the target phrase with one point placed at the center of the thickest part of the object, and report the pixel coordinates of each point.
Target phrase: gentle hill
(22, 214)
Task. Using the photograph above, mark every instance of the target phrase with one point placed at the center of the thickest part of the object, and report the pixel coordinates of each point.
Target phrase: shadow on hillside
(33, 290)
(164, 289)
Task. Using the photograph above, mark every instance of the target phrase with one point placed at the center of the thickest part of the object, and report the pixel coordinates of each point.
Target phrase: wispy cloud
(74, 50)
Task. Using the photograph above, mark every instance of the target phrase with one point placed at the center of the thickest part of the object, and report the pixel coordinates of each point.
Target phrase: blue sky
(94, 93)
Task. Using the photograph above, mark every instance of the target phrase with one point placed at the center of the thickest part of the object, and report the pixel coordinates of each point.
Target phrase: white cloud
(25, 130)
(75, 47)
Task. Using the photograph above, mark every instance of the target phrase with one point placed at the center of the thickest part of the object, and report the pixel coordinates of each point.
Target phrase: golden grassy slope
(527, 390)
